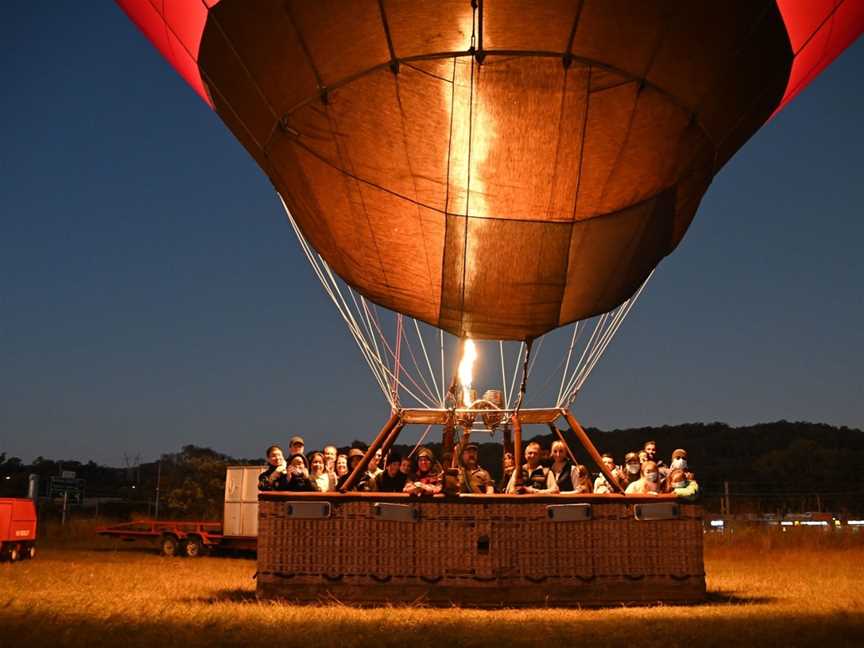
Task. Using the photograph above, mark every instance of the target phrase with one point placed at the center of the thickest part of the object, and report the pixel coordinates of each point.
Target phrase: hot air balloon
(444, 156)
(496, 169)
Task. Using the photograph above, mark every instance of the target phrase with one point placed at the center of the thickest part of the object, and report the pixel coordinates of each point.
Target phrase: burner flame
(466, 370)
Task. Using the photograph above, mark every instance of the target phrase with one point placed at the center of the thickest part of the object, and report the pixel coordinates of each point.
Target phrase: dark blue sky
(153, 295)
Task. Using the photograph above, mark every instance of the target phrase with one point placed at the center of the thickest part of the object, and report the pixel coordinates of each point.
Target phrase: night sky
(153, 295)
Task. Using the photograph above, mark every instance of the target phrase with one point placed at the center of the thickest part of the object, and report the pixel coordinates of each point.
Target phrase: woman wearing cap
(630, 470)
(427, 479)
(318, 473)
(275, 477)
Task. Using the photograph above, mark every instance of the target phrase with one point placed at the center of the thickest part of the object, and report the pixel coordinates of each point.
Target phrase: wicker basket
(477, 550)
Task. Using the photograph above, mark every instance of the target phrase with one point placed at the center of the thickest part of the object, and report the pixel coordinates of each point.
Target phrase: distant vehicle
(238, 529)
(17, 529)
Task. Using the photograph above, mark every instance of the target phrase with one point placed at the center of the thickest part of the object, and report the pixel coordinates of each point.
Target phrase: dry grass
(117, 594)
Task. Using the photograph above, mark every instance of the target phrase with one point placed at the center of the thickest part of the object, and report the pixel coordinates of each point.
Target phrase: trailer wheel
(169, 546)
(31, 552)
(193, 547)
(14, 553)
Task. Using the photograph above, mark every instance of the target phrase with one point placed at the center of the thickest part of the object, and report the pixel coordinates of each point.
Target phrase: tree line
(770, 467)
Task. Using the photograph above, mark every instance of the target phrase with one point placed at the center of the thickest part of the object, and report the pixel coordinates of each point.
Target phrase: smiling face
(532, 455)
(559, 452)
(650, 450)
(341, 465)
(609, 462)
(297, 462)
(330, 454)
(275, 457)
(317, 464)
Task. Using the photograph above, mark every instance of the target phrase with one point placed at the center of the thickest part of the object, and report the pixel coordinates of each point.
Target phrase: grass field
(80, 592)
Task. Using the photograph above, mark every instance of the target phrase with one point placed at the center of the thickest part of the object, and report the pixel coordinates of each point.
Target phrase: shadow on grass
(241, 596)
(727, 598)
(714, 599)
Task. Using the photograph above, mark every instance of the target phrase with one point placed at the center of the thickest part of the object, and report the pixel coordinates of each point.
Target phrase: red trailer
(17, 529)
(237, 531)
(177, 538)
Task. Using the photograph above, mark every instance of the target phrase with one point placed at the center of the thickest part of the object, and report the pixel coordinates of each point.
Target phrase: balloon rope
(426, 355)
(581, 374)
(567, 365)
(341, 306)
(503, 372)
(397, 360)
(525, 371)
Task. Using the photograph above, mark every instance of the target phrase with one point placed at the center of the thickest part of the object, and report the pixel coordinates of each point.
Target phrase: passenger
(632, 468)
(648, 484)
(581, 480)
(275, 477)
(683, 488)
(298, 474)
(562, 468)
(330, 454)
(679, 460)
(355, 456)
(507, 472)
(473, 478)
(536, 479)
(391, 479)
(407, 467)
(375, 468)
(429, 476)
(601, 484)
(296, 446)
(318, 473)
(650, 449)
(341, 466)
(643, 457)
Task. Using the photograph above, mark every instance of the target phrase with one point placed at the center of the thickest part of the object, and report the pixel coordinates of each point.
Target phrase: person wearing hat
(629, 472)
(355, 456)
(392, 479)
(296, 446)
(472, 477)
(428, 478)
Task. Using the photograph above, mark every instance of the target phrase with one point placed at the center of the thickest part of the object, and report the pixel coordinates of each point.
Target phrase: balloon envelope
(503, 170)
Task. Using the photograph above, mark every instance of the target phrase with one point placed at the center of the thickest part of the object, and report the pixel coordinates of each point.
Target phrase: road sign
(73, 488)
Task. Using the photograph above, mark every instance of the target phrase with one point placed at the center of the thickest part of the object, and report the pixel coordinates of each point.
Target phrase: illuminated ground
(124, 595)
